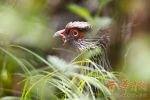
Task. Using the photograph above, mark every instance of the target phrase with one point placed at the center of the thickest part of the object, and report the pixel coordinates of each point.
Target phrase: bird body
(78, 36)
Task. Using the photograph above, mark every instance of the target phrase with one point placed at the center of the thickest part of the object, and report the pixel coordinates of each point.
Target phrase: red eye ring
(75, 33)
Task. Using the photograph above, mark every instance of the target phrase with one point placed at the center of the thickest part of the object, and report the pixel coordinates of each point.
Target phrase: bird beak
(57, 34)
(60, 34)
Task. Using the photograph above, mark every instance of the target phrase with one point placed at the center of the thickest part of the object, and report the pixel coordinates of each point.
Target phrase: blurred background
(32, 23)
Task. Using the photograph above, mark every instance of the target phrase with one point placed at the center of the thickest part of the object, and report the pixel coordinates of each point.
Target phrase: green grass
(60, 81)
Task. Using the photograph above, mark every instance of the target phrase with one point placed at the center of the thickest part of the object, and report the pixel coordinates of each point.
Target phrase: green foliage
(80, 11)
(24, 26)
(59, 80)
(96, 21)
(10, 98)
(84, 13)
(102, 4)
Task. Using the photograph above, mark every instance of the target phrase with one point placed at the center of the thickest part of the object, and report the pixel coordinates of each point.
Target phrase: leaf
(101, 5)
(60, 63)
(10, 98)
(80, 11)
(102, 22)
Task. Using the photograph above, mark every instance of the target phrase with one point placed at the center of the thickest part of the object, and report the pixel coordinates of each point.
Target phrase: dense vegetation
(34, 66)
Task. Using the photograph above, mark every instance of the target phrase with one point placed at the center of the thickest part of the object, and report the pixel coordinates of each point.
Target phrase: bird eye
(75, 33)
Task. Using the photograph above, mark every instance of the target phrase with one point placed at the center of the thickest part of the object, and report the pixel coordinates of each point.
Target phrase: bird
(80, 36)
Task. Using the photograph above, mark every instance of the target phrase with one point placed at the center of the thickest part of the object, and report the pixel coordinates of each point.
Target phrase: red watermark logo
(124, 86)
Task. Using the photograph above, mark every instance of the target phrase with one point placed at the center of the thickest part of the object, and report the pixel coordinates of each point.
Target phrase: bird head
(77, 34)
(73, 31)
